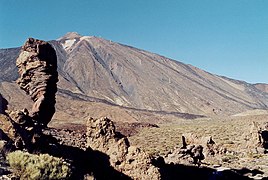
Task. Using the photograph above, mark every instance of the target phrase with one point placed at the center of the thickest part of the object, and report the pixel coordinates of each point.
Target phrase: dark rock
(3, 104)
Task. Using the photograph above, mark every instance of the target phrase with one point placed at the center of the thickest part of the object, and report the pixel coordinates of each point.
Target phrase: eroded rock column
(37, 66)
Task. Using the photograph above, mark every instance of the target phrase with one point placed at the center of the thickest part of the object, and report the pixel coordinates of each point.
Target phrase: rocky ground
(229, 133)
(236, 163)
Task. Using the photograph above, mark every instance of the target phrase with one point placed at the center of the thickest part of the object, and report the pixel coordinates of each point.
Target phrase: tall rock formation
(37, 67)
(37, 64)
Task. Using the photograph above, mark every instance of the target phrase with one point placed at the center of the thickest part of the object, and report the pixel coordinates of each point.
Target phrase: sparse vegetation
(43, 166)
(227, 132)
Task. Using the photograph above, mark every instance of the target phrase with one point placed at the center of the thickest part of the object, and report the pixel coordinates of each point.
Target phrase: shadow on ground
(87, 162)
(97, 163)
(179, 171)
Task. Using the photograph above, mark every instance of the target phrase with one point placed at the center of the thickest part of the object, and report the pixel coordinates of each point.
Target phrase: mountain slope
(130, 77)
(262, 87)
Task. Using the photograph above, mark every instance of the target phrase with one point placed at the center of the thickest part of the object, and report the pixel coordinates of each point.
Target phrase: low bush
(43, 166)
(229, 158)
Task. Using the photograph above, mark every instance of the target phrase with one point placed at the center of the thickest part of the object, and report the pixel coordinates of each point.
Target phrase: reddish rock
(37, 66)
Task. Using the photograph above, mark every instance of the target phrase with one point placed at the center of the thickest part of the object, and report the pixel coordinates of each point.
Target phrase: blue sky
(225, 37)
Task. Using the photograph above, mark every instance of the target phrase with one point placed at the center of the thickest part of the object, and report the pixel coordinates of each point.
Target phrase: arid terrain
(229, 132)
(152, 100)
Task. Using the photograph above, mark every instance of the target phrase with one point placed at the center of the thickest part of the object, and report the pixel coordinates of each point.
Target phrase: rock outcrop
(257, 138)
(37, 64)
(130, 160)
(37, 67)
(193, 150)
(209, 145)
(6, 127)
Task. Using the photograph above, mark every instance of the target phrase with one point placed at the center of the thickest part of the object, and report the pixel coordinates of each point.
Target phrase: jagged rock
(21, 117)
(192, 154)
(138, 165)
(257, 138)
(37, 67)
(7, 127)
(193, 150)
(130, 160)
(10, 130)
(210, 147)
(101, 136)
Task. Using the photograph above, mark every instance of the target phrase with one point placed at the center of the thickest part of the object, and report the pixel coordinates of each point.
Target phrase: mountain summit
(70, 35)
(102, 70)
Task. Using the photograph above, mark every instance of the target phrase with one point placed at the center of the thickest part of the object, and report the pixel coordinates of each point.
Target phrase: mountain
(261, 86)
(126, 82)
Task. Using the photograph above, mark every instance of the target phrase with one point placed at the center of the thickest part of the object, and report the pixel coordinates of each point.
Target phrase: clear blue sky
(225, 37)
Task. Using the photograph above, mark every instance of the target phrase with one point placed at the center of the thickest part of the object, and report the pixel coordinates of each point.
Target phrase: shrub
(43, 166)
